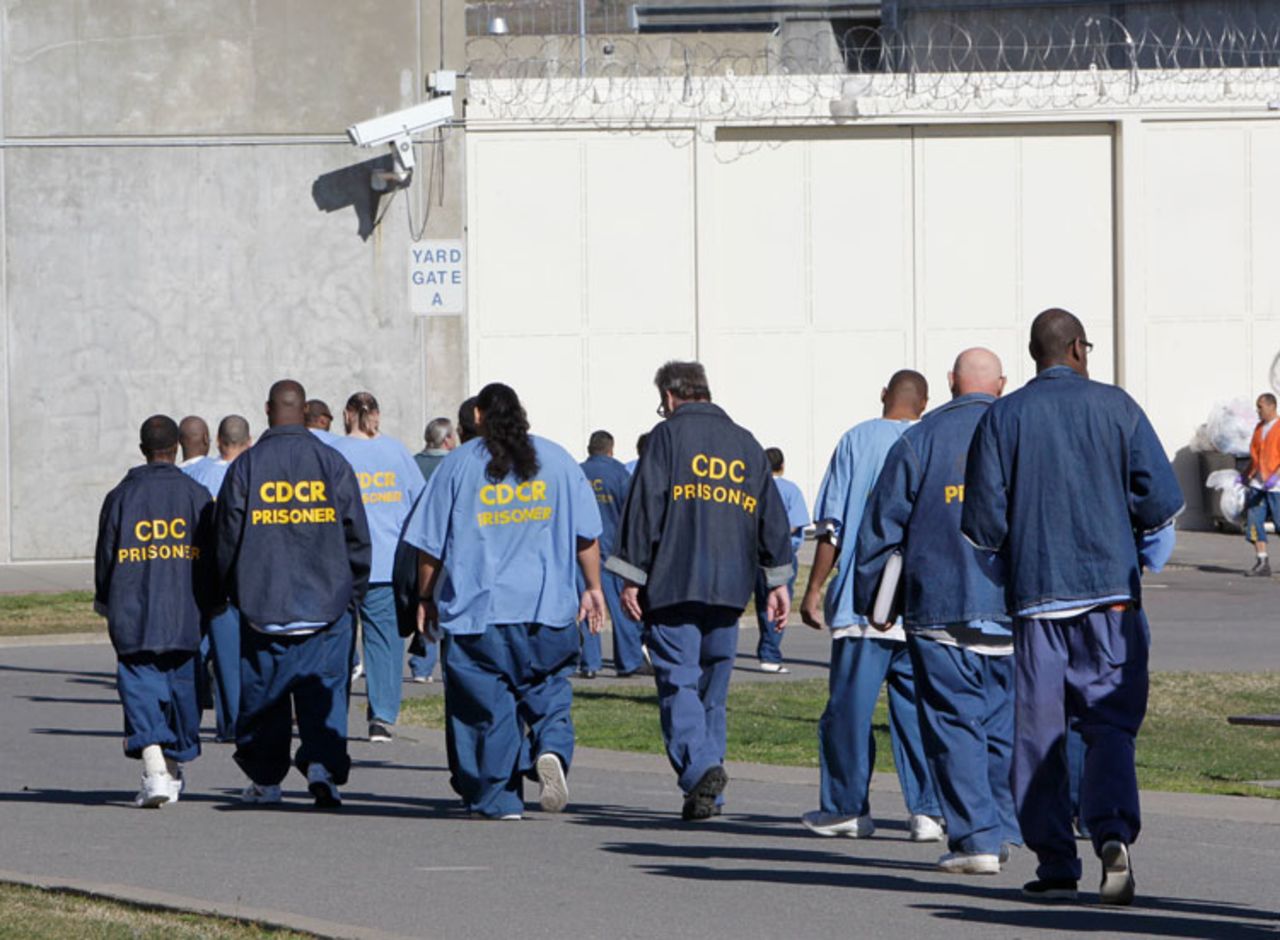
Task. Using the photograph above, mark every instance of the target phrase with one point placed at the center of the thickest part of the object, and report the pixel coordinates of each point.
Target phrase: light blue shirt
(846, 486)
(389, 481)
(797, 511)
(209, 474)
(508, 549)
(631, 466)
(327, 436)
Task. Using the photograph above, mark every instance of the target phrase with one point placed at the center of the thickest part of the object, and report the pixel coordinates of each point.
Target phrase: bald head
(233, 437)
(193, 437)
(1058, 339)
(977, 370)
(158, 439)
(286, 403)
(906, 395)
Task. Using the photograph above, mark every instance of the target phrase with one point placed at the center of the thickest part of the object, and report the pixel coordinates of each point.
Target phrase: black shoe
(588, 674)
(1260, 569)
(644, 669)
(1117, 874)
(379, 733)
(1050, 889)
(701, 801)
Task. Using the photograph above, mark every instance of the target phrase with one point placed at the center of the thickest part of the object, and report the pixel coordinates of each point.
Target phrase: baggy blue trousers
(383, 654)
(1090, 670)
(692, 648)
(281, 676)
(224, 649)
(846, 745)
(965, 701)
(507, 700)
(769, 645)
(158, 692)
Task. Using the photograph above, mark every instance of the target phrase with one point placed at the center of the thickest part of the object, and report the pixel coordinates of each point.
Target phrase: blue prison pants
(507, 700)
(692, 648)
(383, 654)
(281, 676)
(1091, 671)
(224, 651)
(846, 745)
(158, 692)
(769, 646)
(966, 716)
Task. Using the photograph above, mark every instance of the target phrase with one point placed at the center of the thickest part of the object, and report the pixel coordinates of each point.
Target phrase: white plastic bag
(1231, 425)
(1231, 493)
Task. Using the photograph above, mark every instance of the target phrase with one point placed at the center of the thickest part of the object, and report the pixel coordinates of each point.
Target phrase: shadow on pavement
(1149, 917)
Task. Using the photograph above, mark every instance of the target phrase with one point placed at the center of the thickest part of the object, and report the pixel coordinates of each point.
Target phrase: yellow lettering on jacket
(953, 493)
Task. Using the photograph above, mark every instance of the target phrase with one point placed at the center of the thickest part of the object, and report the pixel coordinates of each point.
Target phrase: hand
(428, 619)
(631, 603)
(778, 607)
(591, 609)
(811, 609)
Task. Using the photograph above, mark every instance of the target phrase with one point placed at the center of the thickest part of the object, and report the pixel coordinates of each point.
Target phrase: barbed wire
(808, 71)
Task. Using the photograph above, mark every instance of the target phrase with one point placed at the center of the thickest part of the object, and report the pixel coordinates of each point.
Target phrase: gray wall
(163, 247)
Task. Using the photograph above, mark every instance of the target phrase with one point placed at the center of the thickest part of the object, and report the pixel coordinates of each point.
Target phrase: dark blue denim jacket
(915, 507)
(1064, 477)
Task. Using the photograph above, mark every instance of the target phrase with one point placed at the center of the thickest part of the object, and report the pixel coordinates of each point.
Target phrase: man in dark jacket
(958, 634)
(1067, 479)
(151, 579)
(701, 518)
(293, 555)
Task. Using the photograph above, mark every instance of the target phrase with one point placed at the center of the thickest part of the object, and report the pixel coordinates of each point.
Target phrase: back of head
(233, 433)
(158, 439)
(467, 420)
(776, 459)
(505, 429)
(906, 394)
(437, 433)
(600, 444)
(362, 413)
(977, 370)
(1052, 333)
(286, 403)
(193, 435)
(686, 381)
(317, 414)
(641, 441)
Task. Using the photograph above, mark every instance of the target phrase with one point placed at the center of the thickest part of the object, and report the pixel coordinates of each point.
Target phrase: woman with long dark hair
(389, 483)
(504, 523)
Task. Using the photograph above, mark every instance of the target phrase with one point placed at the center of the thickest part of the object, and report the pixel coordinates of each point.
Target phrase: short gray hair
(685, 380)
(233, 430)
(438, 431)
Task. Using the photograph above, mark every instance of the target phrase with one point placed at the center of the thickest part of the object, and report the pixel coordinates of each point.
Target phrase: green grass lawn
(31, 614)
(1185, 745)
(38, 914)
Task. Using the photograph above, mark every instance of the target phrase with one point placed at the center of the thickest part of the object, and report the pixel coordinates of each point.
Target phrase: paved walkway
(400, 860)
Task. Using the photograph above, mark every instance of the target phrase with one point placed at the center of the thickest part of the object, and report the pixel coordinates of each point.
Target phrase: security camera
(397, 129)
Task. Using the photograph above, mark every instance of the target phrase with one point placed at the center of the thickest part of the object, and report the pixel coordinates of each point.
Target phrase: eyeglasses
(662, 410)
(1088, 346)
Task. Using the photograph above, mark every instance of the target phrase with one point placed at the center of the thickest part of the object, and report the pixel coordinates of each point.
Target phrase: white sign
(437, 277)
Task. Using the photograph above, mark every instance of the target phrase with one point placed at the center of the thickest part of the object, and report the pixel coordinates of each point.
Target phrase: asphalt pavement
(400, 859)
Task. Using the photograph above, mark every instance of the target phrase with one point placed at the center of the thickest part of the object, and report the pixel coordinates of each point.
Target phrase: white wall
(803, 266)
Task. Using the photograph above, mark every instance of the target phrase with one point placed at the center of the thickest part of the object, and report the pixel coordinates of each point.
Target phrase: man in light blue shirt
(223, 629)
(501, 529)
(863, 658)
(769, 646)
(319, 419)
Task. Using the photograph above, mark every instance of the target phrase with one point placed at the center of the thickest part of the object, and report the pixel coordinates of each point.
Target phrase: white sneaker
(157, 789)
(420, 680)
(321, 786)
(833, 824)
(259, 793)
(926, 828)
(357, 671)
(970, 863)
(179, 784)
(1117, 874)
(553, 788)
(775, 668)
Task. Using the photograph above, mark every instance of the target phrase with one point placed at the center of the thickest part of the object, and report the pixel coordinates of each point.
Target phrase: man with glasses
(702, 516)
(1068, 481)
